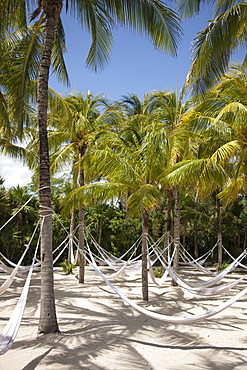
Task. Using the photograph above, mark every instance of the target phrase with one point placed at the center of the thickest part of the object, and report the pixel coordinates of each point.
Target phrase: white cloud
(14, 172)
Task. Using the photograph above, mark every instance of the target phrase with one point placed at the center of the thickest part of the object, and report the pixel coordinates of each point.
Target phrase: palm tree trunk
(71, 233)
(169, 218)
(81, 245)
(145, 221)
(245, 238)
(184, 232)
(81, 230)
(219, 232)
(176, 235)
(100, 226)
(168, 227)
(196, 248)
(48, 320)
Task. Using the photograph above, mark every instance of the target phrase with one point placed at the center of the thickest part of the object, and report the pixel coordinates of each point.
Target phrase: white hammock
(240, 264)
(133, 265)
(203, 284)
(21, 269)
(218, 277)
(165, 274)
(10, 330)
(113, 261)
(113, 258)
(6, 284)
(9, 270)
(195, 263)
(14, 272)
(121, 270)
(206, 291)
(166, 318)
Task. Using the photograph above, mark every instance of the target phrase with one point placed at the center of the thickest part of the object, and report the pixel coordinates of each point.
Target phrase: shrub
(67, 267)
(158, 272)
(222, 267)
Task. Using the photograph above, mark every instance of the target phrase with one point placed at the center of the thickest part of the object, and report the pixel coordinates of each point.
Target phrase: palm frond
(58, 63)
(232, 190)
(89, 194)
(144, 199)
(211, 57)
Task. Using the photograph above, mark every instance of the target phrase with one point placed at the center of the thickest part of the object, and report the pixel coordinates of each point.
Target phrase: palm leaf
(144, 199)
(211, 57)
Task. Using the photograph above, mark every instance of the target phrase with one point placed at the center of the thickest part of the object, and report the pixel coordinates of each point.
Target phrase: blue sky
(135, 67)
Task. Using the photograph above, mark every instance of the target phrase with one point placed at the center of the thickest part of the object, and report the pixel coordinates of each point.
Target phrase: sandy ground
(99, 331)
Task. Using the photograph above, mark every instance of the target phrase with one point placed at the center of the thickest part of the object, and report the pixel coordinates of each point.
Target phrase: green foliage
(111, 227)
(223, 266)
(67, 267)
(158, 272)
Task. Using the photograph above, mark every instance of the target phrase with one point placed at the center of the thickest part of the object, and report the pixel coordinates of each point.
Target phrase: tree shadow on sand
(98, 331)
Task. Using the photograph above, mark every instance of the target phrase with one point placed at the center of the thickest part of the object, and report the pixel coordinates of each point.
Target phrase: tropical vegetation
(168, 163)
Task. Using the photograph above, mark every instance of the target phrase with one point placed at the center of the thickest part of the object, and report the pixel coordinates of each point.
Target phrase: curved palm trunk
(145, 221)
(48, 321)
(176, 232)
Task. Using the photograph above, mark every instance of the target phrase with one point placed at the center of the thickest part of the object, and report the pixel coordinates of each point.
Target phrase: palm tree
(153, 18)
(134, 160)
(22, 51)
(221, 162)
(173, 112)
(131, 160)
(214, 45)
(77, 118)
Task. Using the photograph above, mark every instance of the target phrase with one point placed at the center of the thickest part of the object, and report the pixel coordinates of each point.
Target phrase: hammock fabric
(204, 291)
(166, 318)
(209, 282)
(10, 279)
(9, 270)
(9, 332)
(196, 263)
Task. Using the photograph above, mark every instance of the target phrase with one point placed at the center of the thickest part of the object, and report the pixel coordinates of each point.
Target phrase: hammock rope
(10, 330)
(7, 283)
(24, 205)
(206, 291)
(205, 284)
(162, 317)
(196, 263)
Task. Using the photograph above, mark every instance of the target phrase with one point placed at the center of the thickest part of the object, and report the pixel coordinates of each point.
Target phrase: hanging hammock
(6, 284)
(15, 271)
(10, 331)
(165, 274)
(201, 292)
(166, 318)
(196, 263)
(176, 277)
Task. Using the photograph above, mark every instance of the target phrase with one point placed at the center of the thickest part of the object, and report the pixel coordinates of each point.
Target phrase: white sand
(99, 331)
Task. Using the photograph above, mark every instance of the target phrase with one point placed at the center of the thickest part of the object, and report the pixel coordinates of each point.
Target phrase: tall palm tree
(150, 17)
(131, 161)
(215, 44)
(221, 162)
(134, 161)
(173, 112)
(76, 120)
(20, 63)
